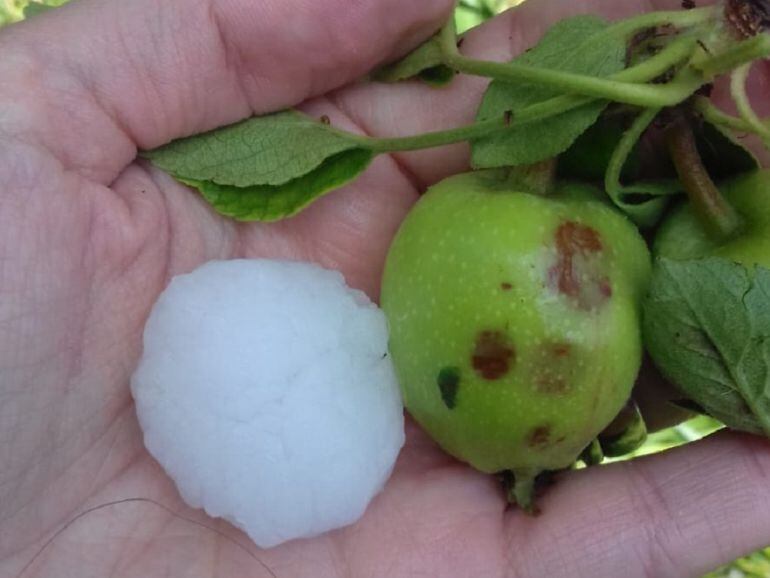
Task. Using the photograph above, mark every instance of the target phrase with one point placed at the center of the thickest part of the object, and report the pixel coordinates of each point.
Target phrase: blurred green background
(15, 10)
(470, 13)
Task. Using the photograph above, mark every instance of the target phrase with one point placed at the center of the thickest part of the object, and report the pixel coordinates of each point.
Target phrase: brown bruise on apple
(554, 364)
(493, 355)
(577, 273)
(539, 436)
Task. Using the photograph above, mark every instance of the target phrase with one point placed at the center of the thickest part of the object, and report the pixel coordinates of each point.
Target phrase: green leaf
(706, 324)
(425, 63)
(275, 202)
(645, 200)
(570, 45)
(263, 150)
(265, 168)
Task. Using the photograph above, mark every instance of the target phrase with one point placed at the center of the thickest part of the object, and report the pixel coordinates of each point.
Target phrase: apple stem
(716, 215)
(593, 455)
(522, 490)
(536, 179)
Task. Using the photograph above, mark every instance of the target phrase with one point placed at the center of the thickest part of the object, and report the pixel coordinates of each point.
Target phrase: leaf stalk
(718, 217)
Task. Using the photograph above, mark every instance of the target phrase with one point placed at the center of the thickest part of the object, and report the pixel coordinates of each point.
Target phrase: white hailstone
(265, 391)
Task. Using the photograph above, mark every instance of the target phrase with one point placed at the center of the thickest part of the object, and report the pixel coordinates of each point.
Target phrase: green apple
(514, 320)
(683, 237)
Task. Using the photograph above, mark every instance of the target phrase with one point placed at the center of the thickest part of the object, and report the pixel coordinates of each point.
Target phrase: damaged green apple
(514, 321)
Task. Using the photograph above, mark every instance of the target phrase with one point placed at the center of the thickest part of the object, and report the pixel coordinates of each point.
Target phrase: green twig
(644, 71)
(448, 39)
(619, 88)
(742, 103)
(672, 55)
(625, 146)
(678, 18)
(535, 112)
(716, 214)
(604, 88)
(717, 117)
(720, 118)
(736, 55)
(626, 86)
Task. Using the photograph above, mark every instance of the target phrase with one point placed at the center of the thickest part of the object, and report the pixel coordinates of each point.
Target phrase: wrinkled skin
(89, 237)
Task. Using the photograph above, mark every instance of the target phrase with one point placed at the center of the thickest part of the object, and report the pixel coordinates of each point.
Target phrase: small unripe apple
(683, 237)
(514, 320)
(687, 235)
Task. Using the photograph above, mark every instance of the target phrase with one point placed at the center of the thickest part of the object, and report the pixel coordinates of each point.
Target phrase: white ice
(265, 391)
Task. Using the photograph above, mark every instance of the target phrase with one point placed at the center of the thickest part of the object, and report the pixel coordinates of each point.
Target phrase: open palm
(89, 238)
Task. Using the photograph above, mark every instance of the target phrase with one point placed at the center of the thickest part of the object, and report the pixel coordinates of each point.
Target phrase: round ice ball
(267, 393)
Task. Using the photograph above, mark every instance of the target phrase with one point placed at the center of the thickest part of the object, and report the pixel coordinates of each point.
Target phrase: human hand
(89, 237)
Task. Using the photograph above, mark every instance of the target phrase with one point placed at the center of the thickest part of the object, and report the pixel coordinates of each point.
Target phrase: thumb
(150, 71)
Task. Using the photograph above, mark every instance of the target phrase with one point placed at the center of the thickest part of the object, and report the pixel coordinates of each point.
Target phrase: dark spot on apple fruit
(577, 273)
(539, 436)
(573, 240)
(448, 381)
(505, 286)
(492, 355)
